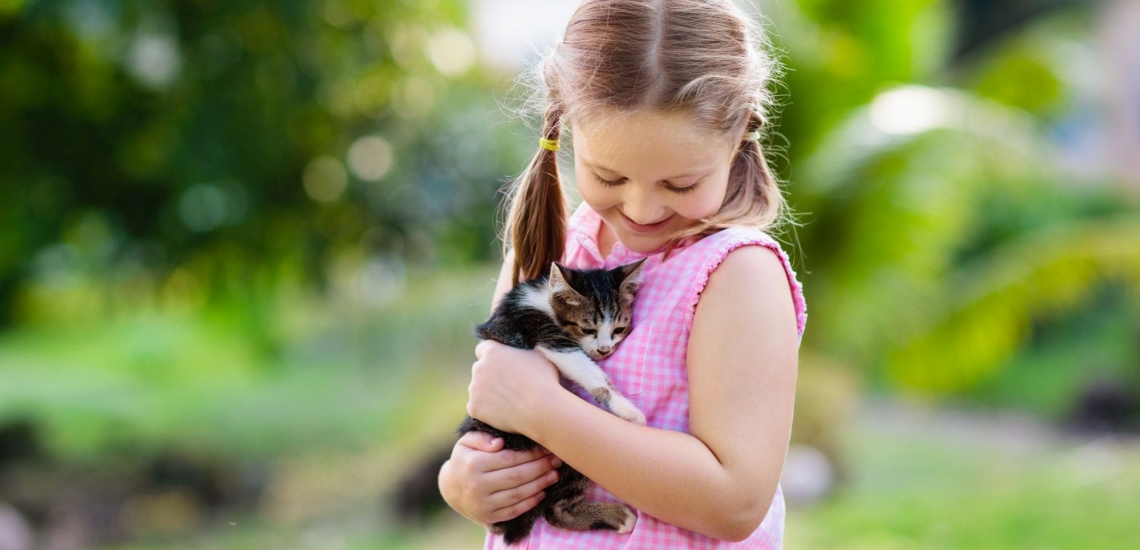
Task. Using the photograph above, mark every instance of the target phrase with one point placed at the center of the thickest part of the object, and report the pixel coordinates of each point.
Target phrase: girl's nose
(641, 208)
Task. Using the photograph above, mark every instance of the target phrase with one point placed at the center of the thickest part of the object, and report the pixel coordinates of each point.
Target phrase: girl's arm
(720, 479)
(485, 483)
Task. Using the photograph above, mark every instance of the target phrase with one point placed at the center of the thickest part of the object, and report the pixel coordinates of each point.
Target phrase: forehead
(661, 144)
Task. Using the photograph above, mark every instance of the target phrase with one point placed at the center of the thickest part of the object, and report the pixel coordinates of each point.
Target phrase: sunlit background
(242, 246)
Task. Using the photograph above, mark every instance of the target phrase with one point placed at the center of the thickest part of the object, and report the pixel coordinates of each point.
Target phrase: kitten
(570, 316)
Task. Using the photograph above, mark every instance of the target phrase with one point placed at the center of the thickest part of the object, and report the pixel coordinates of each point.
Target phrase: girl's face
(649, 174)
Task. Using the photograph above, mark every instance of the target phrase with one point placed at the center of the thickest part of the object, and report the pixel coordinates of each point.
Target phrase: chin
(642, 244)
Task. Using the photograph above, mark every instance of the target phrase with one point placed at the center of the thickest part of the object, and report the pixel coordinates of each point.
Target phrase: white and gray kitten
(572, 317)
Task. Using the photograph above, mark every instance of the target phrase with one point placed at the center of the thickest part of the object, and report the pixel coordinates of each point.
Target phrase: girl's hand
(508, 385)
(488, 484)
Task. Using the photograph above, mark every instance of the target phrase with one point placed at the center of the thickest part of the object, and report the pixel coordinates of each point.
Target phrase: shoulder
(744, 257)
(745, 320)
(748, 266)
(750, 279)
(740, 263)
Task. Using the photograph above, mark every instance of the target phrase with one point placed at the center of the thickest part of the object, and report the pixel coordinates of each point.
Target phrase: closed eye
(669, 186)
(609, 183)
(682, 190)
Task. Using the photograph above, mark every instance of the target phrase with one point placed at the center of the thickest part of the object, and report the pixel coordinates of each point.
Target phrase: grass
(929, 486)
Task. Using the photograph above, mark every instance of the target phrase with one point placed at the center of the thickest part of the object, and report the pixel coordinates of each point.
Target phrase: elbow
(745, 516)
(743, 527)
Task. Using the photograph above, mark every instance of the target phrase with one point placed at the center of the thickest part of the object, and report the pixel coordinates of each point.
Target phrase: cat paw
(628, 522)
(631, 415)
(625, 410)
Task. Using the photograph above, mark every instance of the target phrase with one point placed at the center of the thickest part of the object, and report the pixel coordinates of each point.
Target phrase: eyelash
(677, 190)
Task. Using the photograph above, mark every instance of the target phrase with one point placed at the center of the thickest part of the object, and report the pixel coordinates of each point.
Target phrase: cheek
(702, 203)
(598, 196)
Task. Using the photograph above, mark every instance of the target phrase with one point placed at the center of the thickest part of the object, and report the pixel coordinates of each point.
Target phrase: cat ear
(632, 272)
(558, 278)
(559, 288)
(631, 278)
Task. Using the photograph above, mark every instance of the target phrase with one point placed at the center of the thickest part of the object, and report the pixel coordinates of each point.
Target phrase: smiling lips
(648, 228)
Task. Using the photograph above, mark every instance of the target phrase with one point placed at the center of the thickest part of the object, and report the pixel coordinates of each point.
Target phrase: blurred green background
(242, 245)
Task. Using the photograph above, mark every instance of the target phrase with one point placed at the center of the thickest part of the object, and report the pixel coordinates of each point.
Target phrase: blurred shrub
(241, 143)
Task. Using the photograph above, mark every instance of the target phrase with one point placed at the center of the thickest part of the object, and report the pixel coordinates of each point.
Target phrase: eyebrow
(701, 172)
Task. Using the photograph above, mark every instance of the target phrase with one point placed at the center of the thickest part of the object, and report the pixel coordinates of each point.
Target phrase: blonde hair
(705, 58)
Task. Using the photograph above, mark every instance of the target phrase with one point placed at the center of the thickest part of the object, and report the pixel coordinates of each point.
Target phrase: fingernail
(496, 441)
(556, 462)
(552, 476)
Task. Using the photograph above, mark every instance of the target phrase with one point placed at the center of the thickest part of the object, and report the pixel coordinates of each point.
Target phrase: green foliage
(937, 223)
(987, 315)
(192, 129)
(1095, 345)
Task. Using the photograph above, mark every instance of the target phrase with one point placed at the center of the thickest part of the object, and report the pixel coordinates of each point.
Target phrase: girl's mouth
(648, 228)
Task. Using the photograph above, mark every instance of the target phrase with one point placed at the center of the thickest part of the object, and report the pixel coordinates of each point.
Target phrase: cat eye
(619, 330)
(589, 332)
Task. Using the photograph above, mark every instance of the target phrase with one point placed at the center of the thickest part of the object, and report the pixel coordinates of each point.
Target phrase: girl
(665, 100)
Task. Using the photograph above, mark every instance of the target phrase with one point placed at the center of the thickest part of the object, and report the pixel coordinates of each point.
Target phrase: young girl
(665, 100)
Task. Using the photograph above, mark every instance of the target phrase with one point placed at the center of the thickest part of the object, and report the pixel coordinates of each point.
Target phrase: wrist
(543, 410)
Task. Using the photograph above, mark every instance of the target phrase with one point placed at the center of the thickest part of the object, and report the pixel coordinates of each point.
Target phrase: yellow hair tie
(548, 144)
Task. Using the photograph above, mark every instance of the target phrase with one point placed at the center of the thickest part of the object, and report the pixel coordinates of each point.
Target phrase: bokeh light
(325, 179)
(369, 158)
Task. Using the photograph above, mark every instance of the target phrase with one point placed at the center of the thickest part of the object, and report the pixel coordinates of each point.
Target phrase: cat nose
(605, 350)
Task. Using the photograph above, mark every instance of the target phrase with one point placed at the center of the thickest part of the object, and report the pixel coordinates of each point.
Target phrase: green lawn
(941, 483)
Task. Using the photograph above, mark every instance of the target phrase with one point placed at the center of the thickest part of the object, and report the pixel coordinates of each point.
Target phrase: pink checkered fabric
(649, 368)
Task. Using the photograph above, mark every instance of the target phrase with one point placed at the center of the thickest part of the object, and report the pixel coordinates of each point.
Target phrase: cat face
(595, 307)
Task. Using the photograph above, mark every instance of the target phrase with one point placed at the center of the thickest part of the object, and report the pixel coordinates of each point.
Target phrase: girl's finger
(515, 510)
(510, 459)
(481, 348)
(501, 481)
(482, 441)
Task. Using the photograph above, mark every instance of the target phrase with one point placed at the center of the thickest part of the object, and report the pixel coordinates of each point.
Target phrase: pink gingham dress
(649, 367)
